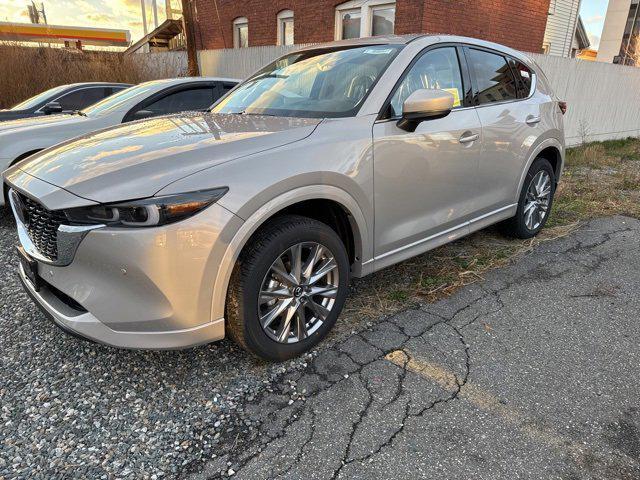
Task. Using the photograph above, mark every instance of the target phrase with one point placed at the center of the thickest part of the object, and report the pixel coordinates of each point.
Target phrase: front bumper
(87, 326)
(141, 288)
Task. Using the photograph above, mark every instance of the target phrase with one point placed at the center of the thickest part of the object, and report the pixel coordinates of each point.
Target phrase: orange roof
(29, 32)
(588, 54)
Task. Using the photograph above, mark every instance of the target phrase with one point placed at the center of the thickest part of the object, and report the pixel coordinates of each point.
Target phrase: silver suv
(333, 161)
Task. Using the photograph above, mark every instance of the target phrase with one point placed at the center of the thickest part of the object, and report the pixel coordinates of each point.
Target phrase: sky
(593, 13)
(122, 14)
(126, 14)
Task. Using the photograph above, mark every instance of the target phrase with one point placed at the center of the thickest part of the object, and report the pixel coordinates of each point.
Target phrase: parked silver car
(22, 138)
(331, 162)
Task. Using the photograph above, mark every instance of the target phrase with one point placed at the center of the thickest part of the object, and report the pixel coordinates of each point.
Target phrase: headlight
(149, 212)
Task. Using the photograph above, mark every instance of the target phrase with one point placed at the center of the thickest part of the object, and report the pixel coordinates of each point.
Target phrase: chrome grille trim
(46, 238)
(42, 226)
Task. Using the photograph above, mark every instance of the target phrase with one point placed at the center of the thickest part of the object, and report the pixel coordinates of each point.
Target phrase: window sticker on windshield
(525, 74)
(376, 51)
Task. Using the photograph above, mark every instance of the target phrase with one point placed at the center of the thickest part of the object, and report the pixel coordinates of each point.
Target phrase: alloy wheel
(538, 200)
(298, 292)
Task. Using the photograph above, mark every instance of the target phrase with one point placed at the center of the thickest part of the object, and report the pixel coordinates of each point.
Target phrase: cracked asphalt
(531, 373)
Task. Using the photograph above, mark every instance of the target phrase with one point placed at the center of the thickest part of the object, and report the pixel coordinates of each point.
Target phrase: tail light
(563, 107)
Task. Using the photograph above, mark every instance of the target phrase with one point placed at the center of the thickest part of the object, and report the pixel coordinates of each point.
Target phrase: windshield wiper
(79, 112)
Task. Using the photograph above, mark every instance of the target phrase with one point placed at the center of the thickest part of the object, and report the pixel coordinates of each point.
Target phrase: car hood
(137, 160)
(14, 114)
(41, 121)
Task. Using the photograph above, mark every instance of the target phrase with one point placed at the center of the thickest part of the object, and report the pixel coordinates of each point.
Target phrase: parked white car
(21, 138)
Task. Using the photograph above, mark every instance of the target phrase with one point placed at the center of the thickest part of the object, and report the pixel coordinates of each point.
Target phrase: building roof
(31, 32)
(581, 35)
(160, 36)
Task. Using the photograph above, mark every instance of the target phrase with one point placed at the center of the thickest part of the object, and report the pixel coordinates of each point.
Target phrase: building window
(241, 33)
(285, 28)
(350, 22)
(365, 18)
(383, 20)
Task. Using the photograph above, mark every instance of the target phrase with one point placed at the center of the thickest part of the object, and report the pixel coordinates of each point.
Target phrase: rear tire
(280, 301)
(535, 202)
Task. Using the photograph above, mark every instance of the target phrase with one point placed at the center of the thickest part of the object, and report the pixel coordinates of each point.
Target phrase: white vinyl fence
(604, 99)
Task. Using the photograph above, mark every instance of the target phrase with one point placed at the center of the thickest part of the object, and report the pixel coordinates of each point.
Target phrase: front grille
(42, 226)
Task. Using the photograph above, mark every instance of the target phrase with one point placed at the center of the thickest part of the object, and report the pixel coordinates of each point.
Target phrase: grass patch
(600, 179)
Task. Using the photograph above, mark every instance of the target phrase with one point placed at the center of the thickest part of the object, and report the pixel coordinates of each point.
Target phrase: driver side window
(436, 69)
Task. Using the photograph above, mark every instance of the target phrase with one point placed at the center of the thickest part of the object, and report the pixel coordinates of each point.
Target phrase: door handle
(531, 120)
(469, 138)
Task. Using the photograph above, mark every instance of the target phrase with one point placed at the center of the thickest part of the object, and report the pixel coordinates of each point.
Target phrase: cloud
(594, 19)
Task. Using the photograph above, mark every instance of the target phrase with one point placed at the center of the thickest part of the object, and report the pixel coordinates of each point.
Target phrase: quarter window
(241, 33)
(494, 80)
(436, 69)
(524, 78)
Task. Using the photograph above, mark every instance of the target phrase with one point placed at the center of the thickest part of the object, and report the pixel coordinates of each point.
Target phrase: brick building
(238, 23)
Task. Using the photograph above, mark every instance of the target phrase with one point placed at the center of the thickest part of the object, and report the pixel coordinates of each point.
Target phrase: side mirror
(52, 107)
(425, 104)
(141, 115)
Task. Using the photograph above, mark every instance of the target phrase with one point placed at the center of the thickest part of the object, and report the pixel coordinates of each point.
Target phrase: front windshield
(41, 97)
(316, 84)
(114, 102)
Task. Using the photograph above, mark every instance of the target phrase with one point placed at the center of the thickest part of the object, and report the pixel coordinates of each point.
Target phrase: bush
(27, 71)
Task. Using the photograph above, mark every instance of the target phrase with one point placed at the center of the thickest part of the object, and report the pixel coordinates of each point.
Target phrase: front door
(425, 181)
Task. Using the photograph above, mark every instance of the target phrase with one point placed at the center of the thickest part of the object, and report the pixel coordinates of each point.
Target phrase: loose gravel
(73, 409)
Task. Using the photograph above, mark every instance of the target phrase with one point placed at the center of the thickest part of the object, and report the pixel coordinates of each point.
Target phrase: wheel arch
(551, 149)
(292, 202)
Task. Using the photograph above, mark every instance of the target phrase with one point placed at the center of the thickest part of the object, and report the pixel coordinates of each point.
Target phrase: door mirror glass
(425, 104)
(52, 107)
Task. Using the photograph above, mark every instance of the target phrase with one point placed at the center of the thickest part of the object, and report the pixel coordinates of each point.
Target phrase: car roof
(181, 80)
(98, 84)
(380, 40)
(427, 38)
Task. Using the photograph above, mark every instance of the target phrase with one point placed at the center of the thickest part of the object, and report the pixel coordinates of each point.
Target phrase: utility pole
(144, 16)
(154, 7)
(190, 38)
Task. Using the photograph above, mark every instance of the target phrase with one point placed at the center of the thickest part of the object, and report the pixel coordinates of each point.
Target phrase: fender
(362, 235)
(549, 142)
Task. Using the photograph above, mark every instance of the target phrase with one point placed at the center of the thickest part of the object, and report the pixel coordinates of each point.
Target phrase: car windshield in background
(317, 83)
(115, 101)
(35, 101)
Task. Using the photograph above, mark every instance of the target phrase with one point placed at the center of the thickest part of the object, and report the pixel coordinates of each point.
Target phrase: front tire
(535, 202)
(287, 288)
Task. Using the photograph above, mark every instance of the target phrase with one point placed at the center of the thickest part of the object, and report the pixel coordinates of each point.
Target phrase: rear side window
(82, 98)
(524, 78)
(494, 80)
(436, 69)
(183, 101)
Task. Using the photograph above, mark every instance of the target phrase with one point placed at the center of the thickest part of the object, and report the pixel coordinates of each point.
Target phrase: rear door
(510, 123)
(425, 181)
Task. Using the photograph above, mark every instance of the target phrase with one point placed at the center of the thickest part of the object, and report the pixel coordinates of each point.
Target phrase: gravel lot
(71, 409)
